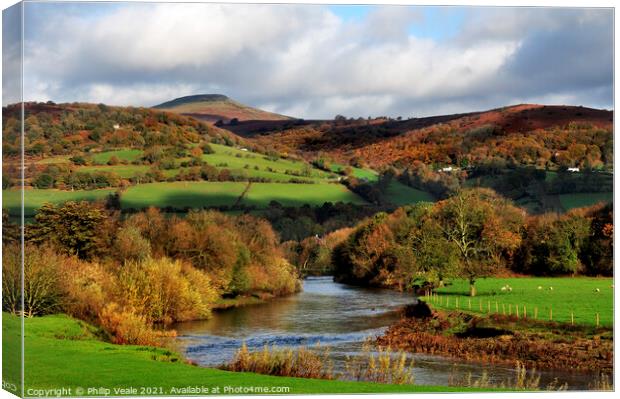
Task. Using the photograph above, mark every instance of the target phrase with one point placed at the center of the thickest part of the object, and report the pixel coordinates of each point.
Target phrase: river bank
(64, 352)
(341, 318)
(503, 339)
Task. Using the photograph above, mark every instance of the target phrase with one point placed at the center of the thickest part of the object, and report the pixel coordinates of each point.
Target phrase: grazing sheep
(504, 288)
(597, 290)
(540, 287)
(510, 289)
(550, 288)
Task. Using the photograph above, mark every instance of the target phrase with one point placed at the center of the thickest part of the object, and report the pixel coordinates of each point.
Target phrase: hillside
(525, 134)
(217, 107)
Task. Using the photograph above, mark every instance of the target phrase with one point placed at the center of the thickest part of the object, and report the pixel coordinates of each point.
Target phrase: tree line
(473, 234)
(129, 275)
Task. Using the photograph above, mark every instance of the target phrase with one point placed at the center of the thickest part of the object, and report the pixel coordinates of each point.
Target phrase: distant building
(573, 170)
(447, 169)
(116, 126)
(244, 149)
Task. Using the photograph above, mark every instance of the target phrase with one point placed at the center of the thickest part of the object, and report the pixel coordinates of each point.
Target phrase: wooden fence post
(496, 307)
(550, 313)
(524, 312)
(572, 318)
(517, 310)
(470, 304)
(457, 302)
(503, 309)
(536, 313)
(597, 320)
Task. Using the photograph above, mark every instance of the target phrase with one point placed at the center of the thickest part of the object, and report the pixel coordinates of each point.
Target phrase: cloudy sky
(316, 61)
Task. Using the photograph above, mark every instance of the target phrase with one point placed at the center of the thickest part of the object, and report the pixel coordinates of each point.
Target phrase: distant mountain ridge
(216, 107)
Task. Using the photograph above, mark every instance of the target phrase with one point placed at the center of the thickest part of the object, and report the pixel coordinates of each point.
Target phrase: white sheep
(597, 290)
(504, 288)
(540, 287)
(550, 288)
(510, 289)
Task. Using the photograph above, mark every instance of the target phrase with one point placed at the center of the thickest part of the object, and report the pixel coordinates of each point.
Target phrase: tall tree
(484, 227)
(76, 228)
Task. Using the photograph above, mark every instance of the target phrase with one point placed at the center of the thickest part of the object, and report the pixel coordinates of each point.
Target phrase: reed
(302, 363)
(383, 366)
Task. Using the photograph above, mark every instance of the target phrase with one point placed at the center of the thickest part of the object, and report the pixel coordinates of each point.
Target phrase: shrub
(86, 287)
(130, 245)
(159, 290)
(125, 326)
(40, 291)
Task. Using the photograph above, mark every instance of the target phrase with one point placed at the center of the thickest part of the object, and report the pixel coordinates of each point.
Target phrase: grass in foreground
(63, 352)
(558, 298)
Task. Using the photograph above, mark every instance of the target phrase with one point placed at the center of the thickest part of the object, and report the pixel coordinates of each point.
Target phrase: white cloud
(306, 61)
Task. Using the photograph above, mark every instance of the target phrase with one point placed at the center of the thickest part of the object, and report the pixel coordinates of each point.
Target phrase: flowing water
(337, 316)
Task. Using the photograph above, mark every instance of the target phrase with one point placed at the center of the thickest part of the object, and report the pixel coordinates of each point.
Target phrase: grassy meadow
(35, 198)
(257, 165)
(557, 297)
(578, 200)
(260, 194)
(61, 351)
(360, 173)
(182, 194)
(122, 154)
(400, 194)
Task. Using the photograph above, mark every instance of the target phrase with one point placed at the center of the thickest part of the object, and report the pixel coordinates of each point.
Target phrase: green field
(126, 154)
(236, 160)
(201, 194)
(578, 200)
(35, 198)
(63, 352)
(369, 175)
(400, 194)
(569, 294)
(124, 171)
(182, 194)
(191, 194)
(261, 194)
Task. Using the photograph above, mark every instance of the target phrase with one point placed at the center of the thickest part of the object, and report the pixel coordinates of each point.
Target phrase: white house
(447, 169)
(573, 170)
(116, 126)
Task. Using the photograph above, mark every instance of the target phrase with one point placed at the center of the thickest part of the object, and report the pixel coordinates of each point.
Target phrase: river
(337, 316)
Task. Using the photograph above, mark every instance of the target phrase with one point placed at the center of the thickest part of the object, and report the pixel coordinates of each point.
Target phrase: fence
(487, 306)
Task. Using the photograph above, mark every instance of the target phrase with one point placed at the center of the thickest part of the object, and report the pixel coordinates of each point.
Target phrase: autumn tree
(435, 257)
(553, 243)
(75, 228)
(484, 227)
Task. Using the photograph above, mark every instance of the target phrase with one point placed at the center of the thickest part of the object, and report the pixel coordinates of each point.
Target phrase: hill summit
(216, 107)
